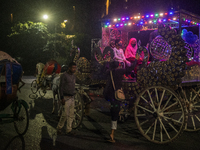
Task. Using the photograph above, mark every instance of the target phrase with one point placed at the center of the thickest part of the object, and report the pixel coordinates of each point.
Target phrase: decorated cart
(164, 95)
(51, 68)
(10, 77)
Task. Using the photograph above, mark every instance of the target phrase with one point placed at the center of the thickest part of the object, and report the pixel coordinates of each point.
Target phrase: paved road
(91, 135)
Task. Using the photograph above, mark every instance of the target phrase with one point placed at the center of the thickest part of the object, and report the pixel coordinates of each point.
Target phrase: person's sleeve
(115, 56)
(124, 58)
(61, 86)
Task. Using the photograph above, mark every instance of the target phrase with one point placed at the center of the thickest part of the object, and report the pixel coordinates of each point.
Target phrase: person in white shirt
(119, 54)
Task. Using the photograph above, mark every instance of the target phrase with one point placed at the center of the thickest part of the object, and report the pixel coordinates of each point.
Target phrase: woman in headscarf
(131, 51)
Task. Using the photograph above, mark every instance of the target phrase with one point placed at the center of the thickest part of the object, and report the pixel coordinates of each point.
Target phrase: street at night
(92, 134)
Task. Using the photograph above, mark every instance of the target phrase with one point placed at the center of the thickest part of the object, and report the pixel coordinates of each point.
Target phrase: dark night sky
(88, 12)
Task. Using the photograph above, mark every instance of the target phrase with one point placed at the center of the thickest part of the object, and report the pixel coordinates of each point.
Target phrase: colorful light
(150, 21)
(125, 24)
(154, 21)
(141, 22)
(106, 26)
(127, 18)
(151, 15)
(115, 20)
(135, 17)
(121, 25)
(159, 20)
(156, 15)
(119, 19)
(186, 20)
(142, 16)
(161, 14)
(164, 20)
(174, 18)
(166, 13)
(129, 23)
(123, 18)
(171, 13)
(197, 24)
(109, 25)
(117, 25)
(138, 17)
(131, 18)
(147, 16)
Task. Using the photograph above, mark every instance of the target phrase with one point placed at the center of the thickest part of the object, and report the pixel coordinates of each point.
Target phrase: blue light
(117, 25)
(107, 23)
(164, 20)
(147, 16)
(141, 22)
(171, 13)
(188, 20)
(127, 18)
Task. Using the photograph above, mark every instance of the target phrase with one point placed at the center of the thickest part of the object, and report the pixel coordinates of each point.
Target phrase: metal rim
(193, 109)
(159, 114)
(21, 122)
(34, 87)
(78, 111)
(42, 92)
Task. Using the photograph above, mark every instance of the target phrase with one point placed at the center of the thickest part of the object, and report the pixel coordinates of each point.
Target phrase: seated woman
(131, 51)
(119, 54)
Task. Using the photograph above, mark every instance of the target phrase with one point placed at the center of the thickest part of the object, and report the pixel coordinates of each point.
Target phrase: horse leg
(54, 102)
(59, 105)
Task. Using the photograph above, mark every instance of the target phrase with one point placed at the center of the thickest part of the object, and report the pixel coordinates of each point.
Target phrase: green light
(195, 23)
(156, 15)
(106, 26)
(183, 19)
(119, 19)
(125, 24)
(154, 21)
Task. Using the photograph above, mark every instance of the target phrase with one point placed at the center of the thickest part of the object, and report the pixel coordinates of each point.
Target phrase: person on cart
(130, 53)
(109, 92)
(67, 92)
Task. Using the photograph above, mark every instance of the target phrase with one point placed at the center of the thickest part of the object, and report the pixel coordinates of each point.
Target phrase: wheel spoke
(151, 101)
(170, 106)
(150, 127)
(161, 99)
(141, 115)
(154, 130)
(157, 95)
(171, 126)
(197, 118)
(167, 102)
(193, 122)
(196, 93)
(177, 112)
(144, 122)
(146, 101)
(172, 119)
(161, 135)
(77, 114)
(164, 128)
(145, 109)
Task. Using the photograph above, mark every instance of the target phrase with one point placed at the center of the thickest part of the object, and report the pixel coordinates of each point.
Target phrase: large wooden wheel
(193, 108)
(160, 114)
(78, 111)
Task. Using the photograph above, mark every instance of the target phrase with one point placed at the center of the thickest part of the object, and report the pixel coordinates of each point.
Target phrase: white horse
(56, 91)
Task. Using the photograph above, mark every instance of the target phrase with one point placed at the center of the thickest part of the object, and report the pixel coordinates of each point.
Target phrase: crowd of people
(122, 65)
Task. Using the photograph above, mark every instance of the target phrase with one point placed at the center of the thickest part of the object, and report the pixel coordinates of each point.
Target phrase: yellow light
(150, 21)
(138, 17)
(161, 14)
(115, 20)
(109, 25)
(65, 21)
(129, 24)
(174, 18)
(135, 17)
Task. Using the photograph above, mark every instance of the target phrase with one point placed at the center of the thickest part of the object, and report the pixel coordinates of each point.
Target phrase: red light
(142, 16)
(133, 23)
(165, 13)
(169, 19)
(131, 18)
(113, 25)
(145, 22)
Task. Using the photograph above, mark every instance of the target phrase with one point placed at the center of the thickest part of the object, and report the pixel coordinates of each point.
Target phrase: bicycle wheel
(42, 92)
(34, 87)
(21, 118)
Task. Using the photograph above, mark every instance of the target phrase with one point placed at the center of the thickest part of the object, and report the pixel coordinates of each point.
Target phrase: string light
(115, 20)
(161, 14)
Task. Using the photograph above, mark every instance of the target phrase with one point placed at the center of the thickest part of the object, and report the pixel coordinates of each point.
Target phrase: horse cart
(164, 94)
(10, 77)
